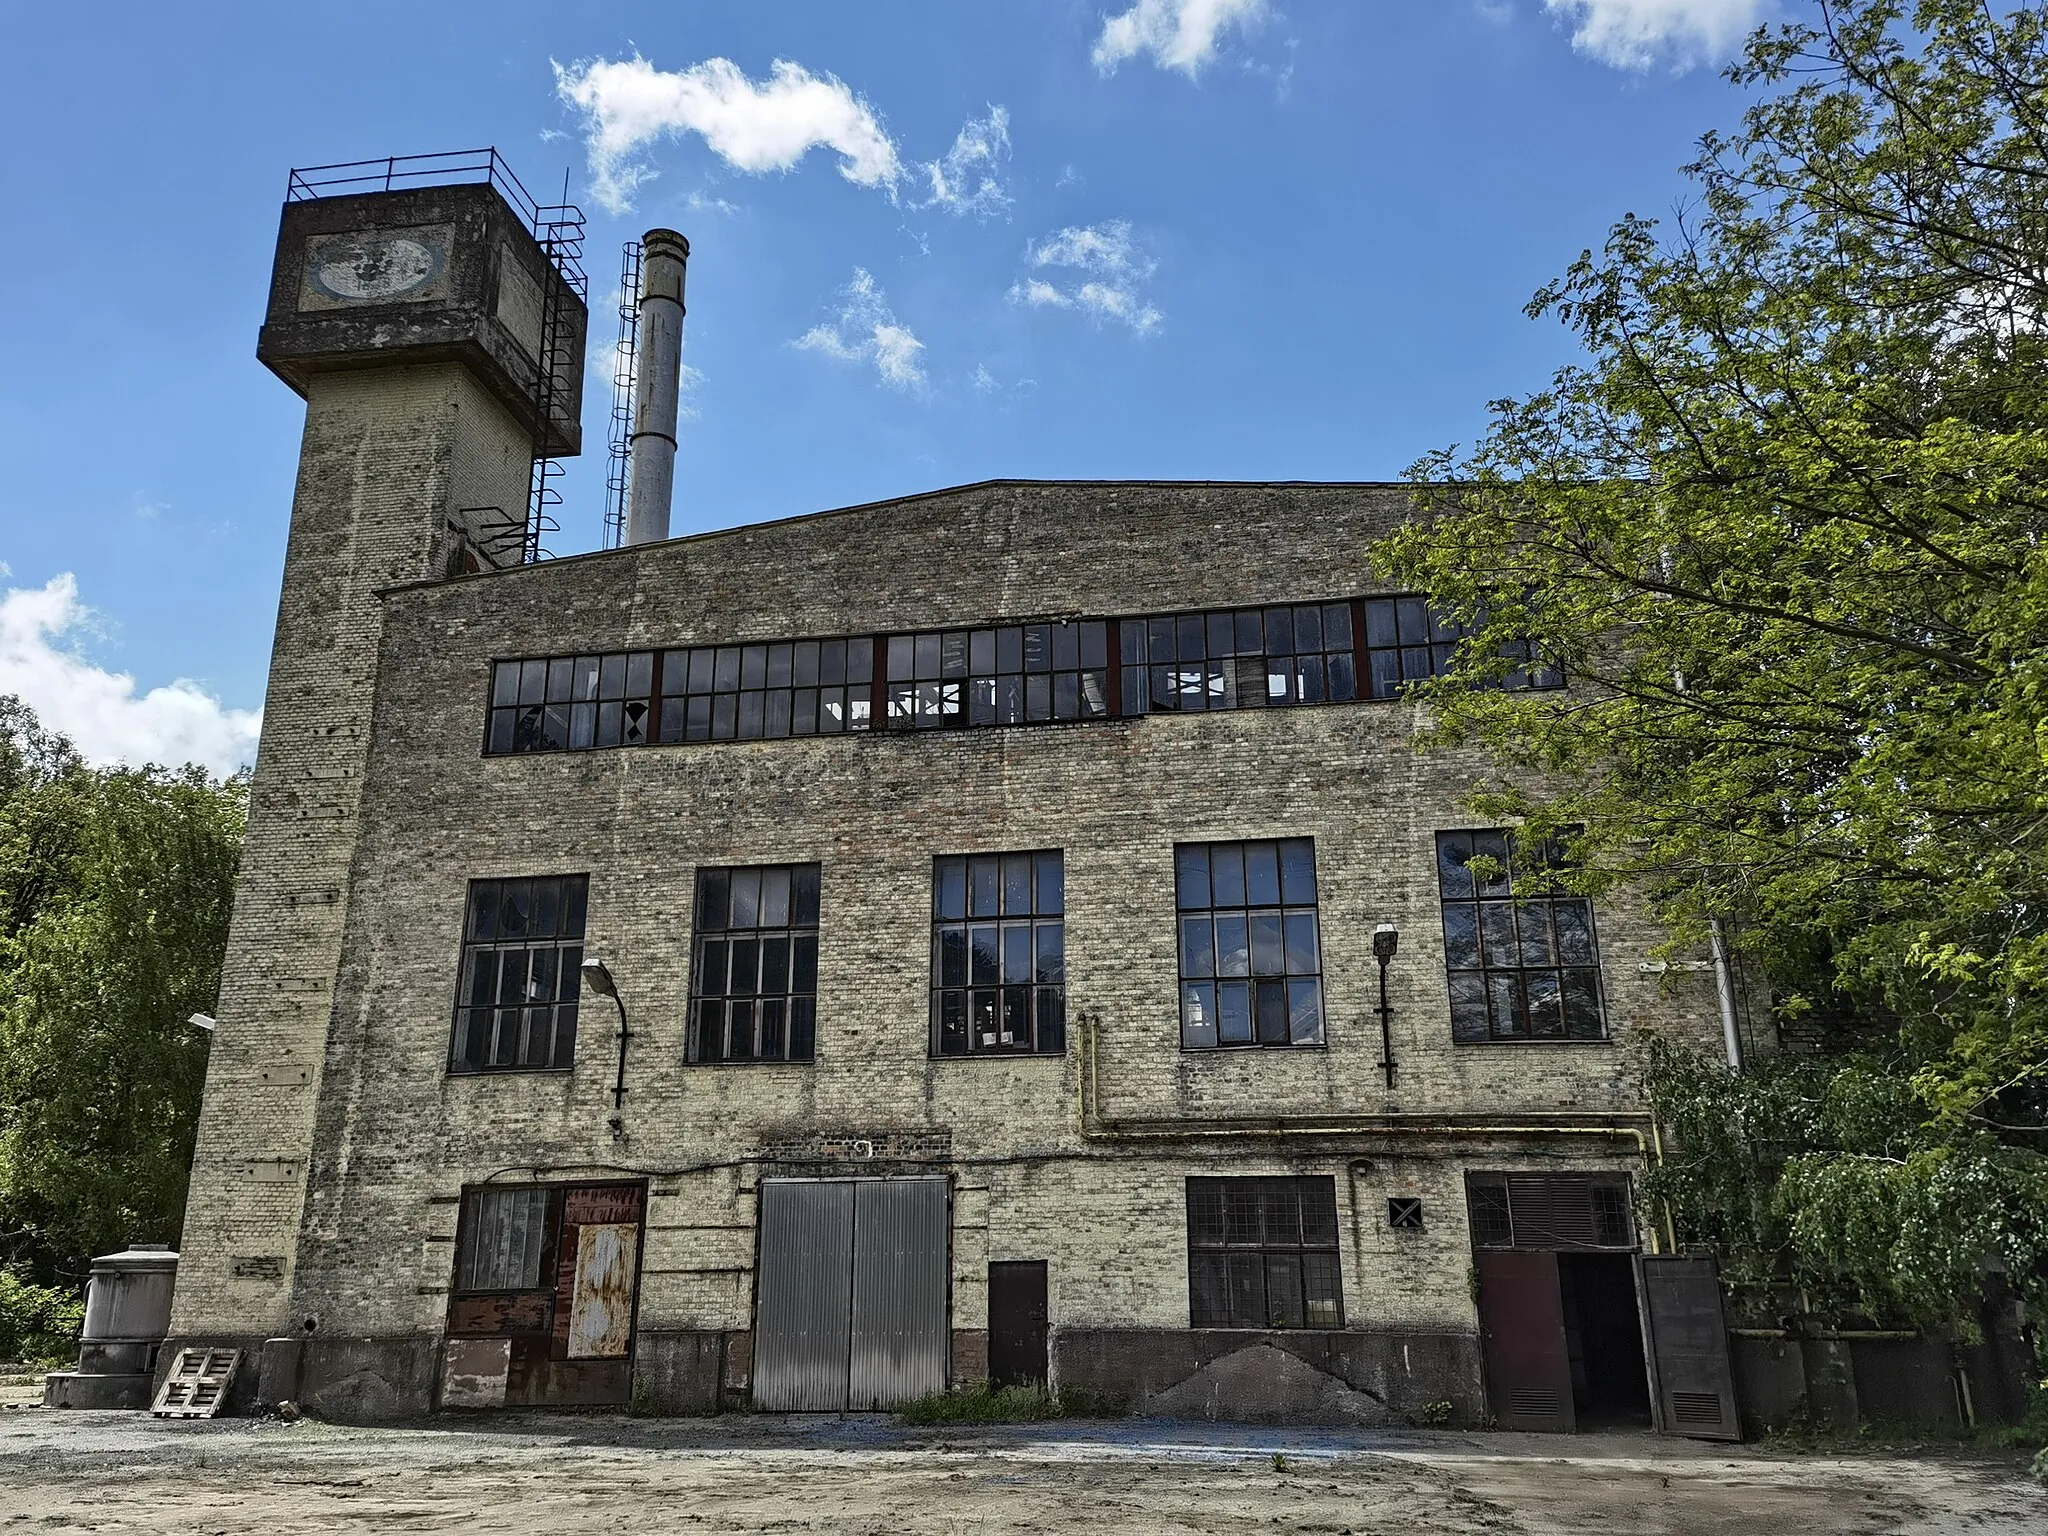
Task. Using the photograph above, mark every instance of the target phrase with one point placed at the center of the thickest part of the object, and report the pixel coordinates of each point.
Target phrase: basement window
(1251, 960)
(754, 984)
(999, 955)
(1262, 1253)
(522, 947)
(1523, 963)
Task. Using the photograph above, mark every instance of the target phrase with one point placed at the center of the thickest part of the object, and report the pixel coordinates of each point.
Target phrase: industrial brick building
(989, 880)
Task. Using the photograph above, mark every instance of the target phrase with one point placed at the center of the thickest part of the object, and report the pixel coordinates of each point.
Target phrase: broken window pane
(522, 946)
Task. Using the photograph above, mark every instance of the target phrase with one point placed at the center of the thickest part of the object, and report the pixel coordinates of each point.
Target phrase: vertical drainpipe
(657, 386)
(1724, 989)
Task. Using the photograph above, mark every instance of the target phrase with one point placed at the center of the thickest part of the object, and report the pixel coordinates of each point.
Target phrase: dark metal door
(1521, 1328)
(1686, 1341)
(1017, 1318)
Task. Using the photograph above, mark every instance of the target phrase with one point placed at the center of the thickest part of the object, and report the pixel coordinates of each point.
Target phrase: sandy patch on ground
(563, 1476)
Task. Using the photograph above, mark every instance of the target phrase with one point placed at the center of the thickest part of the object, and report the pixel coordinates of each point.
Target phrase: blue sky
(935, 243)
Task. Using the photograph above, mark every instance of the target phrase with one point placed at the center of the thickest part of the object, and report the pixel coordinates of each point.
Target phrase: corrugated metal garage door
(851, 1303)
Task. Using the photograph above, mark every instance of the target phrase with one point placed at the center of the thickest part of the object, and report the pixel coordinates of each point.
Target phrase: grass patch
(981, 1403)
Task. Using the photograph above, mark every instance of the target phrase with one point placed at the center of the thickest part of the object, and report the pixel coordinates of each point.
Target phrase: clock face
(375, 268)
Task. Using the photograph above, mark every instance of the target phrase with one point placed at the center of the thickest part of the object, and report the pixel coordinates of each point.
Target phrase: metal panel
(803, 1303)
(1521, 1326)
(601, 1302)
(1686, 1340)
(900, 1335)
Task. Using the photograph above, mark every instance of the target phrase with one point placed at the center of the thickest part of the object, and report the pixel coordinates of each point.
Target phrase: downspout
(1724, 988)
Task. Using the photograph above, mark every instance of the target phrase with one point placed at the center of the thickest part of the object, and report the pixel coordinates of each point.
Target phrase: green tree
(1786, 526)
(115, 890)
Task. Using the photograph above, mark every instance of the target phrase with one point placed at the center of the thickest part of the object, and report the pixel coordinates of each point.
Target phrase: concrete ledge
(87, 1389)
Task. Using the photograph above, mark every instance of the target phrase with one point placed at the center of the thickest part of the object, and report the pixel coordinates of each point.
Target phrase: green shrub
(38, 1323)
(981, 1403)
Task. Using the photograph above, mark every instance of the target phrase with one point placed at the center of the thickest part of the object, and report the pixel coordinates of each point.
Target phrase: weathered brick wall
(397, 1136)
(387, 456)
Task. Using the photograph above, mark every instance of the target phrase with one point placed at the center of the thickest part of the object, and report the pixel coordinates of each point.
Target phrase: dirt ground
(564, 1476)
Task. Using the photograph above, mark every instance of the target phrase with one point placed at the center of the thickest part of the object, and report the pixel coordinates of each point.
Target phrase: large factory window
(1523, 963)
(1262, 1253)
(999, 958)
(1245, 658)
(1408, 641)
(522, 946)
(1251, 959)
(1024, 674)
(751, 692)
(754, 987)
(999, 675)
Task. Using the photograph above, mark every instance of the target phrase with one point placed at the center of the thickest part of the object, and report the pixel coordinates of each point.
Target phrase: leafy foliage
(37, 1322)
(1784, 526)
(115, 891)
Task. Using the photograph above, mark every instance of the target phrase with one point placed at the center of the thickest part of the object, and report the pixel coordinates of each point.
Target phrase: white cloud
(984, 381)
(1113, 272)
(100, 710)
(968, 178)
(867, 331)
(754, 126)
(1635, 34)
(1178, 34)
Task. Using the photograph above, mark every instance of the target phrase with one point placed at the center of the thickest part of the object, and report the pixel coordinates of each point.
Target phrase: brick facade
(372, 786)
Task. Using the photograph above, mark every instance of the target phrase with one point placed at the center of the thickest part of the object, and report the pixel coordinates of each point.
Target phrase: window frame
(1189, 982)
(802, 890)
(567, 950)
(1264, 1186)
(1037, 921)
(1482, 973)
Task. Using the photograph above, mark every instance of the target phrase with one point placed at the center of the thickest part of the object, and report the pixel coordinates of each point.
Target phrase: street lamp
(1385, 940)
(599, 980)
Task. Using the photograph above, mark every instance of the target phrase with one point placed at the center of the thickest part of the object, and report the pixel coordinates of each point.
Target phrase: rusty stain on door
(601, 1303)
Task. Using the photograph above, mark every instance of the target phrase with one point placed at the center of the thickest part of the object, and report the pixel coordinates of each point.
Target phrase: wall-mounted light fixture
(1385, 940)
(598, 978)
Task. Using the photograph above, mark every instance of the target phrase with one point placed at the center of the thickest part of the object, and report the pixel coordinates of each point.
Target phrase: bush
(38, 1323)
(981, 1403)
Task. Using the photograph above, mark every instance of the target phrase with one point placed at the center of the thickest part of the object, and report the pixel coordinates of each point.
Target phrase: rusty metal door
(851, 1296)
(1521, 1329)
(1017, 1321)
(900, 1340)
(1686, 1343)
(803, 1305)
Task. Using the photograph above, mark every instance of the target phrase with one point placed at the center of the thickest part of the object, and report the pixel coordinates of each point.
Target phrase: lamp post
(599, 980)
(1386, 938)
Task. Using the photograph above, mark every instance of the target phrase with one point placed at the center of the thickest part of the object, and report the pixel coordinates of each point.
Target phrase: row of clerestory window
(1521, 959)
(1371, 648)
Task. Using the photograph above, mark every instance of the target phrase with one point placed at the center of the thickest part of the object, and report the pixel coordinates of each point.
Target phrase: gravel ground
(564, 1475)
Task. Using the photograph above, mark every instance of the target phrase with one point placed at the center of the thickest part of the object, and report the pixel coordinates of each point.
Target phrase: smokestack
(650, 479)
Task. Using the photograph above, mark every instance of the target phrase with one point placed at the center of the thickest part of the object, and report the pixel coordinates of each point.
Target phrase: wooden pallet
(197, 1384)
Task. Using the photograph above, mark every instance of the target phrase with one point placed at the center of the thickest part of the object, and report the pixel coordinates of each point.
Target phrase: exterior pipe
(657, 386)
(1724, 989)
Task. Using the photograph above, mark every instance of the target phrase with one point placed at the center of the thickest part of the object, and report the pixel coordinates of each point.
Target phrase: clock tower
(436, 333)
